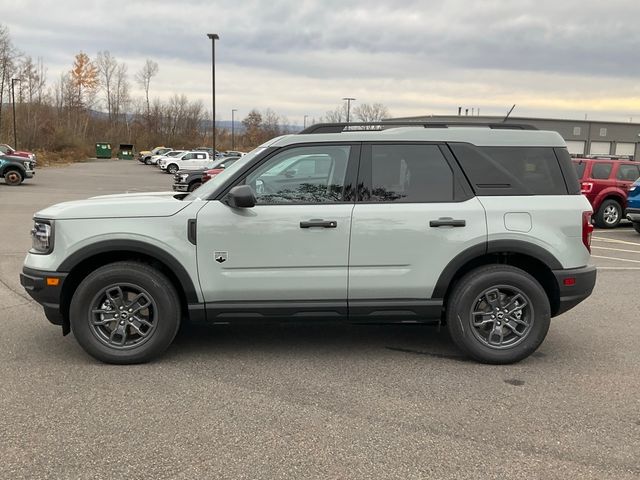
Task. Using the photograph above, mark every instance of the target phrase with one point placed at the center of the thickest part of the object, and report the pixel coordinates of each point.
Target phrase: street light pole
(349, 100)
(13, 95)
(213, 37)
(233, 129)
(305, 121)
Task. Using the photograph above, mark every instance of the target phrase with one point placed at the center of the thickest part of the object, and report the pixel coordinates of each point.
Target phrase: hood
(21, 153)
(128, 205)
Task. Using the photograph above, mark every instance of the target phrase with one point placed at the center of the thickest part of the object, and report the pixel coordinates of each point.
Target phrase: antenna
(509, 113)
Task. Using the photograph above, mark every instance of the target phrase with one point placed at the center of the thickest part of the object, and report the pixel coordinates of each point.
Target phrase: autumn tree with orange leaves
(84, 79)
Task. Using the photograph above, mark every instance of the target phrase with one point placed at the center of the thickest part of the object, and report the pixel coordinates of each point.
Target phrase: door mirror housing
(241, 196)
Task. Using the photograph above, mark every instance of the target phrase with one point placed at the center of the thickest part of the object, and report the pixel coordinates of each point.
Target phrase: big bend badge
(221, 257)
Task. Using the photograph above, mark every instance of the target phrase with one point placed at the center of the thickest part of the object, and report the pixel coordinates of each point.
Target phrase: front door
(413, 216)
(289, 254)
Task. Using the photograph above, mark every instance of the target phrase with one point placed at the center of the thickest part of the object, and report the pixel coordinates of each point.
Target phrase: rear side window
(629, 173)
(511, 170)
(601, 171)
(407, 173)
(579, 168)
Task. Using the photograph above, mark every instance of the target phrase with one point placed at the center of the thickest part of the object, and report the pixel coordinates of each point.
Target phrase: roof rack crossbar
(377, 126)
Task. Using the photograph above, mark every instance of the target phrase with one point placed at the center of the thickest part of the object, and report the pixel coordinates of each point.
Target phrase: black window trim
(349, 179)
(461, 189)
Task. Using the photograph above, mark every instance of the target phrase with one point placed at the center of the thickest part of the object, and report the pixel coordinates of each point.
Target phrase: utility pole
(213, 37)
(349, 100)
(233, 129)
(305, 121)
(13, 95)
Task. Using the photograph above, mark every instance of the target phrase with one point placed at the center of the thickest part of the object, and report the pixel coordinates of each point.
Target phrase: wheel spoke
(117, 300)
(492, 297)
(486, 318)
(103, 321)
(511, 306)
(139, 331)
(514, 329)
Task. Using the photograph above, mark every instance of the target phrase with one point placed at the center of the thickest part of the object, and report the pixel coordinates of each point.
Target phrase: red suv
(605, 183)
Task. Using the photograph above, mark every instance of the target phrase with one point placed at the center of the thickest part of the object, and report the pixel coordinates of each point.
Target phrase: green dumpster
(103, 150)
(126, 151)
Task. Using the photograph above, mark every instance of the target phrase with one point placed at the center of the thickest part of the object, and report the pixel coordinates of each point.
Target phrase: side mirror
(241, 196)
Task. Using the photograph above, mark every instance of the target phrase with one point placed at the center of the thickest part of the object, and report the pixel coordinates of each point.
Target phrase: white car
(185, 161)
(156, 159)
(482, 229)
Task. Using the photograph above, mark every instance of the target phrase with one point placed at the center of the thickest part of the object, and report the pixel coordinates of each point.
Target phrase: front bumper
(35, 283)
(575, 285)
(633, 214)
(180, 187)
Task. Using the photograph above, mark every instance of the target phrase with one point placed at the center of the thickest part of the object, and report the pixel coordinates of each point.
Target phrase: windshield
(175, 153)
(206, 190)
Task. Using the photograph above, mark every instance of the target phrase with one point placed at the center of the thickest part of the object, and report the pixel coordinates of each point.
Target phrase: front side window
(302, 175)
(407, 173)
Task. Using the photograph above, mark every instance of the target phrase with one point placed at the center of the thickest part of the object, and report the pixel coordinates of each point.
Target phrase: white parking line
(614, 258)
(615, 249)
(618, 268)
(611, 240)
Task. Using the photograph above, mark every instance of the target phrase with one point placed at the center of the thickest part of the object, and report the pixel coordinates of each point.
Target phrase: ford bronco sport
(482, 228)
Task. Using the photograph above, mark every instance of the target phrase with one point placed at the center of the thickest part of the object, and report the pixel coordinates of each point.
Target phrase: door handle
(319, 223)
(447, 222)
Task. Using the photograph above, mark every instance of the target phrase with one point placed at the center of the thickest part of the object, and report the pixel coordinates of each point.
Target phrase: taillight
(586, 187)
(587, 230)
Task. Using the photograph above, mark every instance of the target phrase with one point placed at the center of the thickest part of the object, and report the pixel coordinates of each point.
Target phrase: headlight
(42, 237)
(183, 176)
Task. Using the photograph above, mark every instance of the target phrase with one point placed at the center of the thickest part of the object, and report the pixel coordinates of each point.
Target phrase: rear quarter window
(512, 170)
(579, 168)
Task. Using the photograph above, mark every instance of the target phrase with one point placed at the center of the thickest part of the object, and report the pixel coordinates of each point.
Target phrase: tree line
(93, 102)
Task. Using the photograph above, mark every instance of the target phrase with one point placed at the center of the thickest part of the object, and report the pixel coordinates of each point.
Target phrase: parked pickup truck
(15, 169)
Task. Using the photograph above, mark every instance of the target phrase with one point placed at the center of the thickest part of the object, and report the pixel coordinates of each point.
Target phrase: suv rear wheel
(609, 214)
(172, 168)
(498, 314)
(125, 313)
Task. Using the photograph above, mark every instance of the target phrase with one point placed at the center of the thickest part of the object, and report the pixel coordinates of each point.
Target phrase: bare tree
(335, 116)
(107, 66)
(371, 113)
(144, 76)
(120, 98)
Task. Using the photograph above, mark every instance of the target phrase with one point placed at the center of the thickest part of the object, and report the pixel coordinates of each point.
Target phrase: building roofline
(497, 119)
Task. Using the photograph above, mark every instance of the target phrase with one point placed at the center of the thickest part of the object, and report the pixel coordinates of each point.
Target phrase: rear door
(626, 174)
(414, 214)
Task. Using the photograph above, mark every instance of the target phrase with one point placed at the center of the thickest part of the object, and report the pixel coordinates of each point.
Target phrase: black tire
(164, 313)
(195, 185)
(468, 296)
(147, 161)
(636, 226)
(609, 214)
(172, 168)
(13, 177)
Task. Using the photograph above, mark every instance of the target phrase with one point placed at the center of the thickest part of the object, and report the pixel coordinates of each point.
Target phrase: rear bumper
(575, 285)
(633, 214)
(35, 283)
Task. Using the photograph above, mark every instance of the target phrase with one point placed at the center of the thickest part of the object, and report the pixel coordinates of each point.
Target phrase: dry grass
(63, 157)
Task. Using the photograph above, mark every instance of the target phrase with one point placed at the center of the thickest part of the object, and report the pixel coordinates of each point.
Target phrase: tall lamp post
(213, 37)
(13, 95)
(233, 129)
(349, 100)
(305, 121)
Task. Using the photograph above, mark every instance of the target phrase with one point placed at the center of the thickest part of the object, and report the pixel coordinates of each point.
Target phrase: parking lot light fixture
(233, 129)
(349, 100)
(213, 37)
(13, 101)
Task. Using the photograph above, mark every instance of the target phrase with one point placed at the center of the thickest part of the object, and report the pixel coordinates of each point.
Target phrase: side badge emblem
(220, 257)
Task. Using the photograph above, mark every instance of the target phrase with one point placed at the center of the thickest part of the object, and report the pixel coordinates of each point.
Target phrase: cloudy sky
(562, 58)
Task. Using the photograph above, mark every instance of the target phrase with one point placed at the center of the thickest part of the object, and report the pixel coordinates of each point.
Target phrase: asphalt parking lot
(304, 401)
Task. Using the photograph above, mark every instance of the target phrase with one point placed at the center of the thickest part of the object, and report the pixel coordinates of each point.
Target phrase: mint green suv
(481, 228)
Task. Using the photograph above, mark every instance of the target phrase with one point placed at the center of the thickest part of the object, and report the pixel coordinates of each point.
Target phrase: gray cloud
(486, 52)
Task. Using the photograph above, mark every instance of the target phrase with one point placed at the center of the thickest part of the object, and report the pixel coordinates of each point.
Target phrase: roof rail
(377, 126)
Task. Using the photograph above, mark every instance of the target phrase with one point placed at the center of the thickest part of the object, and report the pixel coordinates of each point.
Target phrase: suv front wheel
(609, 214)
(125, 313)
(498, 314)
